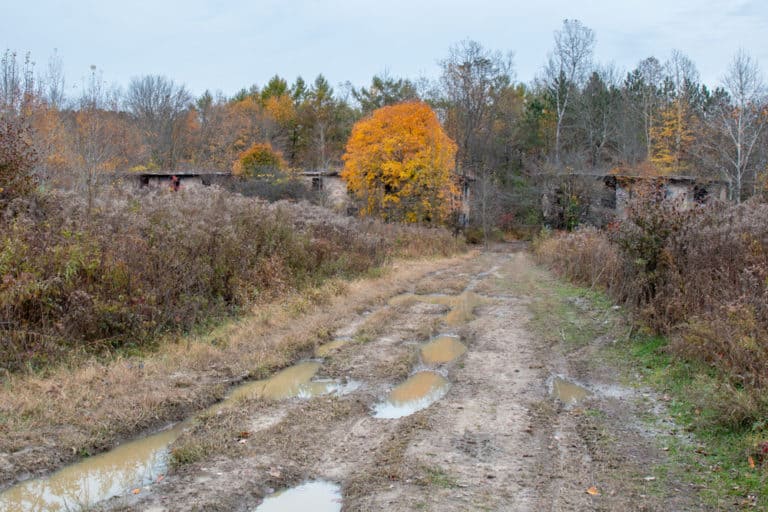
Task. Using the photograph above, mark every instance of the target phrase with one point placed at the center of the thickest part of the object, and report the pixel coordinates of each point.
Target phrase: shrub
(259, 159)
(143, 264)
(17, 157)
(698, 275)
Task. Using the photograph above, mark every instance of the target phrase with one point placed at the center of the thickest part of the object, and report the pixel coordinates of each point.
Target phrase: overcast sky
(227, 45)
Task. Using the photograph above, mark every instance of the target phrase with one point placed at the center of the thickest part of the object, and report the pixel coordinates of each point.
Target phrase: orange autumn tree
(398, 164)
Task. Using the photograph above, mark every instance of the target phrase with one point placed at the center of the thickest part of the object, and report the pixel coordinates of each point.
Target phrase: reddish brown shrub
(698, 274)
(144, 264)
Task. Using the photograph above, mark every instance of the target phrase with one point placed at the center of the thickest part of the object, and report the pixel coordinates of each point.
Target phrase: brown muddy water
(442, 350)
(141, 462)
(418, 392)
(295, 381)
(568, 392)
(94, 479)
(463, 309)
(312, 496)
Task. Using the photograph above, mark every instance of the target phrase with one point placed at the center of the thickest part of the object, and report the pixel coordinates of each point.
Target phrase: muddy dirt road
(481, 388)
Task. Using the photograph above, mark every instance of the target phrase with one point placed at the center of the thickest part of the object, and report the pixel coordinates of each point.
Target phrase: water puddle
(296, 381)
(568, 392)
(462, 306)
(420, 391)
(315, 496)
(140, 462)
(463, 309)
(443, 349)
(331, 346)
(94, 479)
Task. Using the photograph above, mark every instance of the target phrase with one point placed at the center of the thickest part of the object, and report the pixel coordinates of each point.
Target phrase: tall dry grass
(140, 264)
(698, 275)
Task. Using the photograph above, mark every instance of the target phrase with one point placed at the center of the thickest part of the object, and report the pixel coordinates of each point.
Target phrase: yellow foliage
(672, 139)
(281, 109)
(258, 160)
(399, 163)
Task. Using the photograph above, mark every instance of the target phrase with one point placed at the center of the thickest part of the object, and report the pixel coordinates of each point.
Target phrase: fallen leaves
(592, 491)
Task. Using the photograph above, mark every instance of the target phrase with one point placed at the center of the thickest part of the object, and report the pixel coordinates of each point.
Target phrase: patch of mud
(442, 350)
(461, 308)
(420, 391)
(95, 479)
(316, 496)
(568, 392)
(330, 347)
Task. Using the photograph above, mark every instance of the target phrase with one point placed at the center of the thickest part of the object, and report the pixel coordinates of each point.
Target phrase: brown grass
(699, 276)
(74, 410)
(140, 265)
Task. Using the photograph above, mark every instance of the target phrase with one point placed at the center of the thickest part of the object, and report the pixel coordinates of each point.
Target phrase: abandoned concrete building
(186, 178)
(597, 199)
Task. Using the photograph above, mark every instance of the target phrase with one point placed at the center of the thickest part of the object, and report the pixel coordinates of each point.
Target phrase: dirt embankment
(499, 439)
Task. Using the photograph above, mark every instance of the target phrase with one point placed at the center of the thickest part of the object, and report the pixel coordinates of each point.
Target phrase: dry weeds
(48, 421)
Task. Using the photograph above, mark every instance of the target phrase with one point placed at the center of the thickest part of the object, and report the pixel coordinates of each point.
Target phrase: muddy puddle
(94, 479)
(331, 346)
(418, 392)
(442, 350)
(142, 461)
(295, 381)
(462, 306)
(568, 392)
(315, 496)
(463, 309)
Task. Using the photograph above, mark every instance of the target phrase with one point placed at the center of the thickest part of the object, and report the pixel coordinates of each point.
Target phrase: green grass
(437, 476)
(715, 460)
(704, 449)
(570, 315)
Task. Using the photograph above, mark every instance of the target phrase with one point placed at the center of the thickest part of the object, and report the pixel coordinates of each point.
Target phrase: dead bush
(145, 263)
(699, 275)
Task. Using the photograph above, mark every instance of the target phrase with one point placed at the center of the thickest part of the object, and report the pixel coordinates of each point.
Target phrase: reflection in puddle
(94, 479)
(568, 392)
(295, 381)
(140, 462)
(418, 392)
(443, 349)
(324, 350)
(314, 496)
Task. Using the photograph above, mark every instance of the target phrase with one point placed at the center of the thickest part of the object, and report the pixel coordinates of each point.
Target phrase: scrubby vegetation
(143, 264)
(699, 276)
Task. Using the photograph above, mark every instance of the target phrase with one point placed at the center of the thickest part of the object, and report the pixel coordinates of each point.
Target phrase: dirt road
(508, 430)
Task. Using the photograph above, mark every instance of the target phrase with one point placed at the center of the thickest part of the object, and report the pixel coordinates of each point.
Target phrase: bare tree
(54, 82)
(472, 77)
(740, 121)
(17, 83)
(97, 135)
(652, 75)
(158, 104)
(567, 70)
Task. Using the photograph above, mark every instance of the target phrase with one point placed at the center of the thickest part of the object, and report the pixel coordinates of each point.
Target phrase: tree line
(577, 115)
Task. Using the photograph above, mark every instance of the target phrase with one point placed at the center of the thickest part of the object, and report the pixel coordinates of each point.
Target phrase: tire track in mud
(496, 441)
